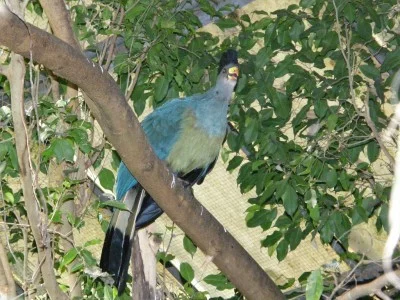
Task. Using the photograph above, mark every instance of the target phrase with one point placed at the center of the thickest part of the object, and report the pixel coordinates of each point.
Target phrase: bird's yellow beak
(233, 73)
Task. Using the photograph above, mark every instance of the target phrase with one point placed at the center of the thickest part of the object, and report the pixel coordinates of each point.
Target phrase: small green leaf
(290, 200)
(373, 150)
(320, 107)
(330, 177)
(331, 123)
(161, 88)
(226, 23)
(219, 281)
(56, 217)
(294, 237)
(187, 272)
(107, 179)
(134, 11)
(164, 257)
(307, 3)
(88, 258)
(108, 292)
(272, 239)
(92, 242)
(234, 163)
(392, 61)
(113, 203)
(282, 250)
(370, 71)
(358, 215)
(61, 149)
(314, 285)
(364, 28)
(189, 246)
(263, 218)
(69, 257)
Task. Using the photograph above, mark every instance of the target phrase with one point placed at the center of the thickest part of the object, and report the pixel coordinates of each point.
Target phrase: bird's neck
(211, 110)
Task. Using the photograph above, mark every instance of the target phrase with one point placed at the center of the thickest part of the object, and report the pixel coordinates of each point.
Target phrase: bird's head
(228, 71)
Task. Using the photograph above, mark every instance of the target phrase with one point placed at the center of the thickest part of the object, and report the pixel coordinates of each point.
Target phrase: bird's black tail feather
(117, 247)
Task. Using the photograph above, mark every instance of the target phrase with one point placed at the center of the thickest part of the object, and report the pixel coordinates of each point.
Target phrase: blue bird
(187, 134)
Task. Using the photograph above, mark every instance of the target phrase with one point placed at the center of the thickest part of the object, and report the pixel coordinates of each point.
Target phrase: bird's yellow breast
(194, 148)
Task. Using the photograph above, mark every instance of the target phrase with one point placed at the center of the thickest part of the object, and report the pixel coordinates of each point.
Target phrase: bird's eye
(224, 70)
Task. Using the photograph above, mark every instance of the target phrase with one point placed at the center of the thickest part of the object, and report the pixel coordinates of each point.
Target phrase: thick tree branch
(124, 131)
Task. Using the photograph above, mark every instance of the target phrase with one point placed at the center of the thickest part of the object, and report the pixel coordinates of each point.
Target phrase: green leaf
(161, 88)
(331, 122)
(226, 23)
(327, 231)
(349, 12)
(187, 272)
(364, 28)
(167, 23)
(61, 149)
(189, 246)
(208, 8)
(108, 292)
(107, 179)
(373, 150)
(92, 243)
(370, 71)
(290, 200)
(219, 281)
(263, 218)
(113, 203)
(384, 216)
(69, 257)
(164, 257)
(307, 3)
(282, 250)
(294, 237)
(234, 163)
(344, 180)
(358, 215)
(233, 142)
(314, 285)
(56, 217)
(134, 11)
(330, 177)
(272, 239)
(251, 130)
(392, 61)
(320, 107)
(88, 258)
(77, 267)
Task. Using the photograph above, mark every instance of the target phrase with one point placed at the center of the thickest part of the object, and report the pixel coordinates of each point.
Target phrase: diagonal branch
(123, 130)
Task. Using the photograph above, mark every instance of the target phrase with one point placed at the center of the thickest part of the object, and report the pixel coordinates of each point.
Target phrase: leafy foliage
(301, 112)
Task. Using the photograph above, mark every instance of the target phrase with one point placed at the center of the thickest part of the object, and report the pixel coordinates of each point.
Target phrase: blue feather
(162, 128)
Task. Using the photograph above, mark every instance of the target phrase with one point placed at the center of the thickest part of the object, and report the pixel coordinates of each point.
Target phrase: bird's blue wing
(162, 128)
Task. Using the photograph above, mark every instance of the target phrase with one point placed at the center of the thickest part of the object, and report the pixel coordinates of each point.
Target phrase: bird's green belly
(195, 149)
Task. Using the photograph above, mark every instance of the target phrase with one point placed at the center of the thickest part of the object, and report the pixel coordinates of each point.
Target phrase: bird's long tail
(117, 247)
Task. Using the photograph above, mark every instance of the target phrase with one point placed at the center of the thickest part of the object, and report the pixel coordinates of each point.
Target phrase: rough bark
(144, 265)
(121, 127)
(7, 284)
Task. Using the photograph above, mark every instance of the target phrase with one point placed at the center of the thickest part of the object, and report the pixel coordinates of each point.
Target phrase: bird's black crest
(228, 57)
